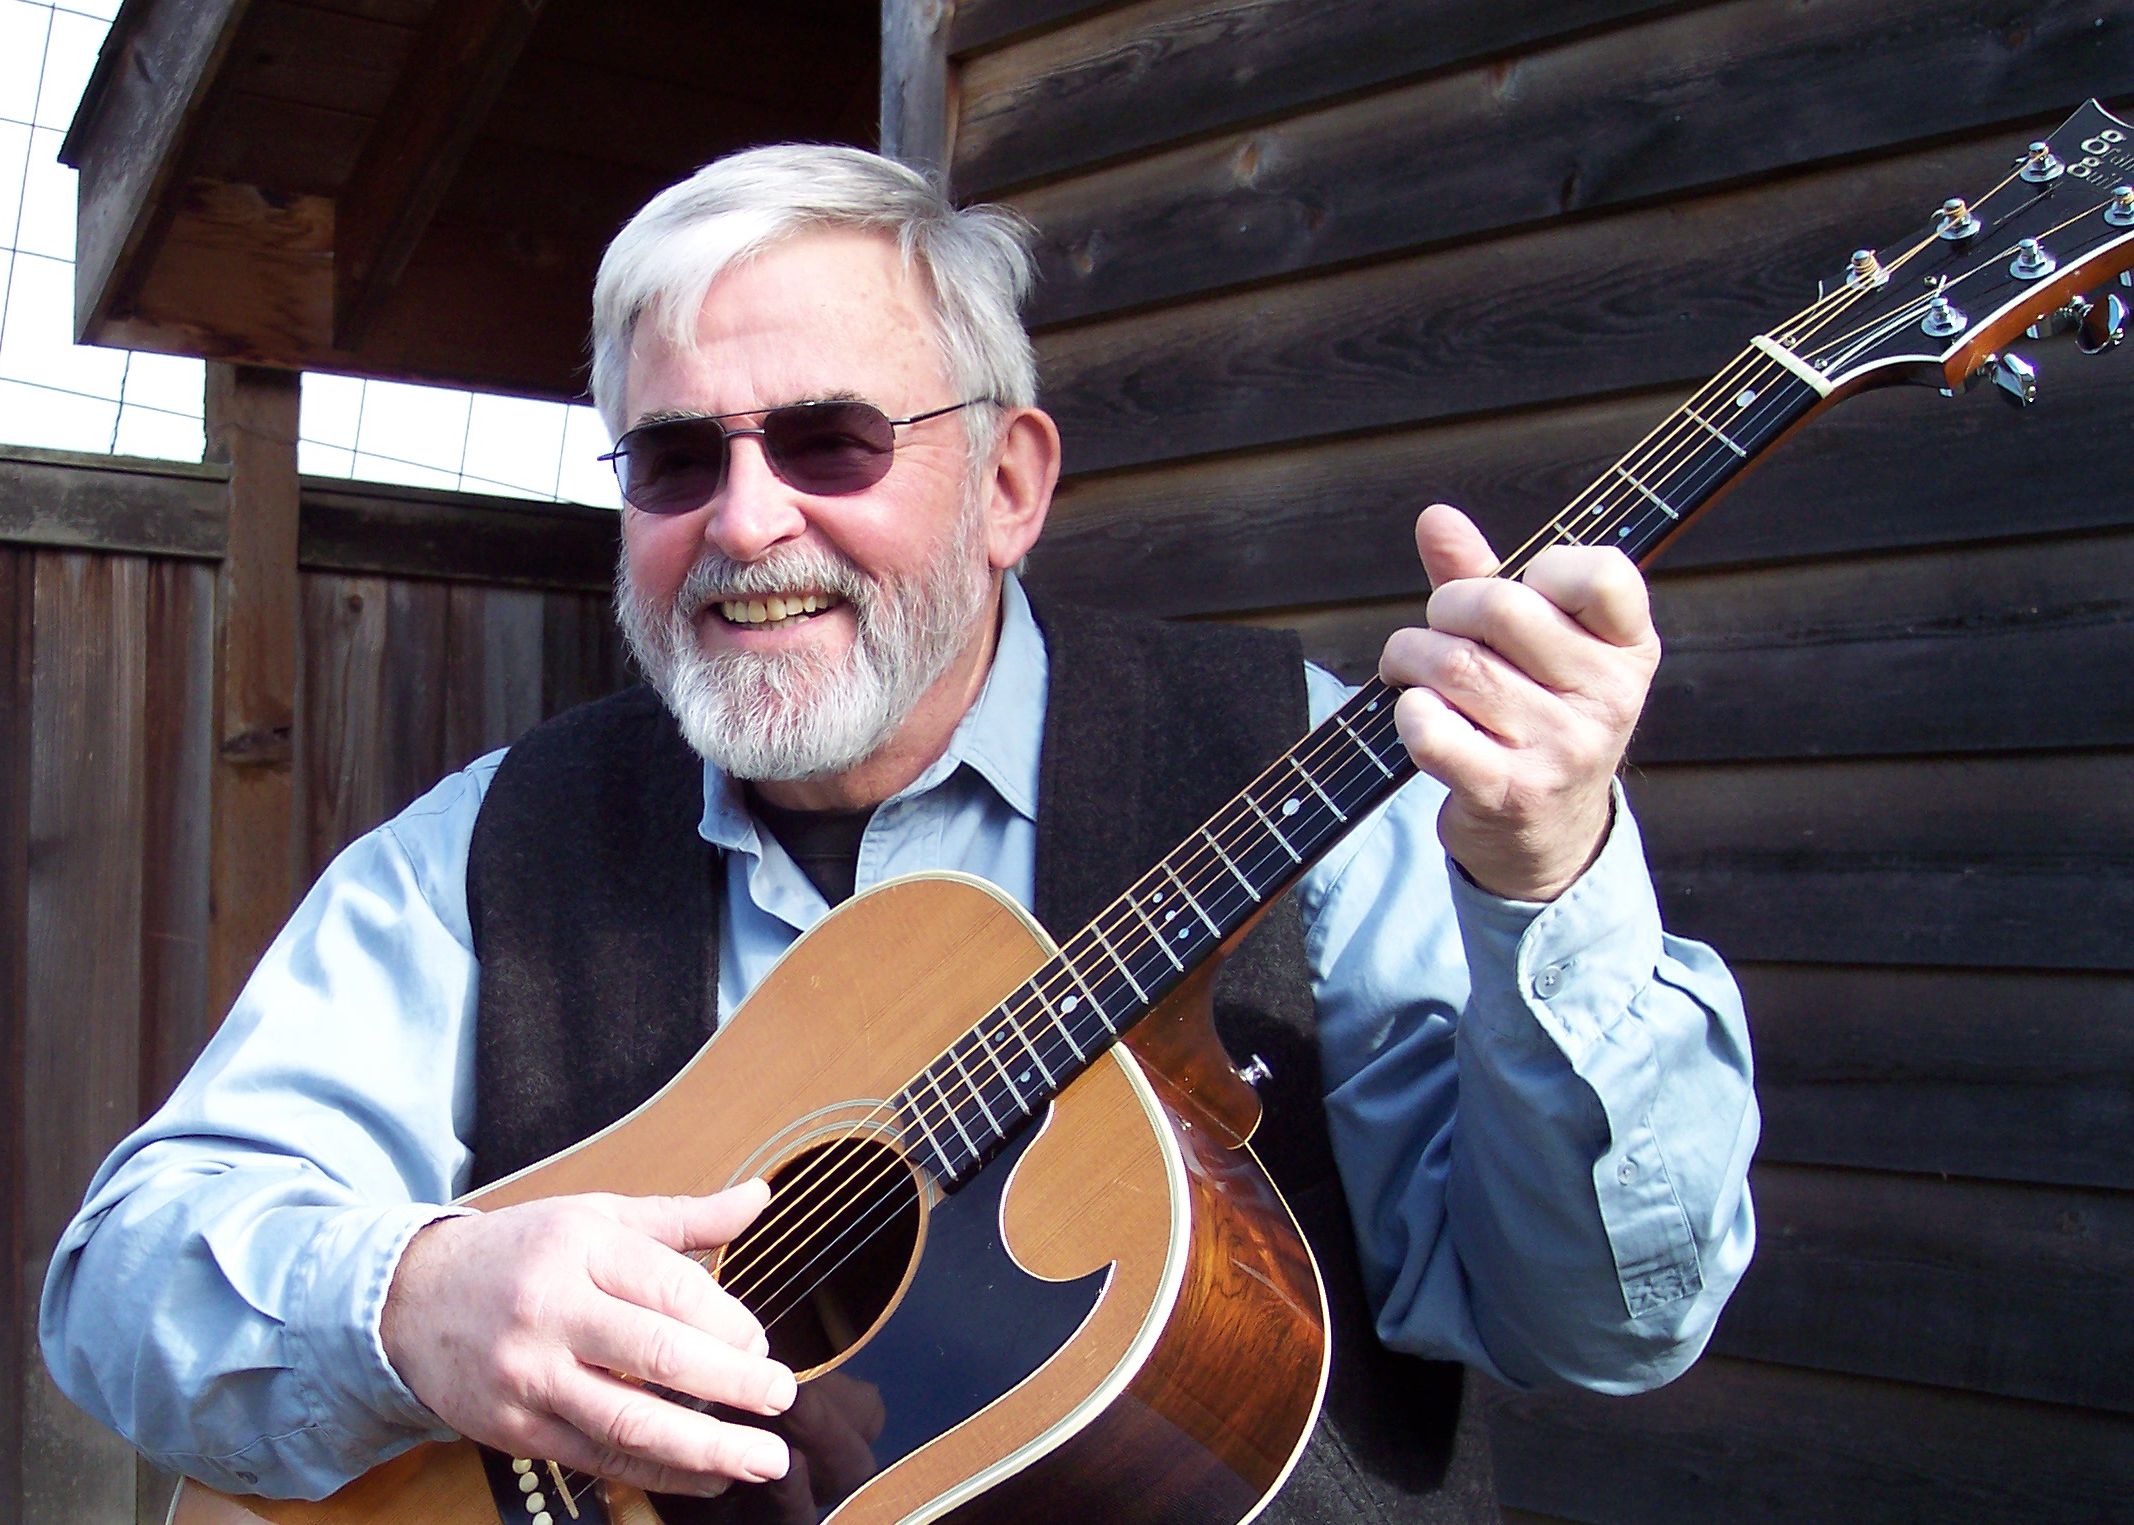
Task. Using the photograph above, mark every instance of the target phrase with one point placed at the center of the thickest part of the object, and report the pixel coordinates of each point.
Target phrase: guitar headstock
(2041, 245)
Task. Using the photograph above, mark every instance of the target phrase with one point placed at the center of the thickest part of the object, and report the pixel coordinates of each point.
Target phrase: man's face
(900, 570)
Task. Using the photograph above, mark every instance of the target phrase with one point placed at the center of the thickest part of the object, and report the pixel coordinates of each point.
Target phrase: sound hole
(827, 1258)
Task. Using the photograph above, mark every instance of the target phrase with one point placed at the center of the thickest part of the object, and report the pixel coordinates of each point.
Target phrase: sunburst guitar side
(1142, 1269)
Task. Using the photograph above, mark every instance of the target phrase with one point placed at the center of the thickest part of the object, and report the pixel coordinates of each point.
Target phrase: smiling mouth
(775, 610)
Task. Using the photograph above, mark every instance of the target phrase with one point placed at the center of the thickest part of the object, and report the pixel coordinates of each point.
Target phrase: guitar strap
(594, 907)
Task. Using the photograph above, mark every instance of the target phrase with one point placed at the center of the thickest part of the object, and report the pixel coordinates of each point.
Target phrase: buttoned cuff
(335, 1347)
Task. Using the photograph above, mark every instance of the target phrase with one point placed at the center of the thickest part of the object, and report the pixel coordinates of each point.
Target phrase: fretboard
(968, 1103)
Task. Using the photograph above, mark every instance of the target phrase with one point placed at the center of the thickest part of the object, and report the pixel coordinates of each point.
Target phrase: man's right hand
(511, 1326)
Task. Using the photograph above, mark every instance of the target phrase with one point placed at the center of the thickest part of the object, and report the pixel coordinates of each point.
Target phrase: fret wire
(1195, 904)
(917, 1113)
(1098, 932)
(1274, 830)
(1016, 1027)
(976, 1094)
(1155, 935)
(1388, 772)
(1075, 970)
(993, 1053)
(1339, 814)
(1058, 1020)
(1250, 888)
(1714, 430)
(950, 1108)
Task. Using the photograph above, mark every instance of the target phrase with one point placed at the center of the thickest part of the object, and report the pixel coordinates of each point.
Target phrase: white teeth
(765, 611)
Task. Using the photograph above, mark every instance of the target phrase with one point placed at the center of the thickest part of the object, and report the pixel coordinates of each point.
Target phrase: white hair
(975, 263)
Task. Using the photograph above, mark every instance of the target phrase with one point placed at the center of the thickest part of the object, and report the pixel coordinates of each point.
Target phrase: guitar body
(1115, 1320)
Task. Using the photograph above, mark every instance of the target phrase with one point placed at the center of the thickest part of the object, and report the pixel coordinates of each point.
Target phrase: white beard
(801, 715)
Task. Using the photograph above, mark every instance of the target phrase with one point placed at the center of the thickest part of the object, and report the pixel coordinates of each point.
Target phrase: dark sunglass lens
(829, 447)
(675, 467)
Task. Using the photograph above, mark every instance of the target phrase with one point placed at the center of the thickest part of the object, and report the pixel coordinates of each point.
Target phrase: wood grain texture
(1325, 522)
(464, 53)
(18, 649)
(1660, 297)
(981, 24)
(343, 788)
(2010, 1076)
(1690, 100)
(81, 1070)
(1743, 1441)
(2003, 862)
(2016, 1291)
(252, 424)
(60, 498)
(410, 532)
(919, 94)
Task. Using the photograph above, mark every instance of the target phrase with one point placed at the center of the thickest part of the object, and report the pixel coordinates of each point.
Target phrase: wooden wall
(1309, 264)
(433, 629)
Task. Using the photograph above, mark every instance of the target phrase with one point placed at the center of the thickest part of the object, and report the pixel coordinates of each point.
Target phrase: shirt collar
(998, 737)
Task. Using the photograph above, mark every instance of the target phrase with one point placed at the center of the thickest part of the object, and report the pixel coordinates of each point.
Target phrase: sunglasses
(831, 448)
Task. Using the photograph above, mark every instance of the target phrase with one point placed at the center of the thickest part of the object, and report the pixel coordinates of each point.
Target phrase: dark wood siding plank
(319, 58)
(1691, 100)
(1081, 95)
(987, 23)
(82, 1047)
(1650, 298)
(1331, 521)
(58, 498)
(2015, 1291)
(2004, 862)
(365, 527)
(581, 651)
(2008, 1076)
(1742, 1441)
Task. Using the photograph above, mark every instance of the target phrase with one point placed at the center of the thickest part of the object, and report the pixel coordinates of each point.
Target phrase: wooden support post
(251, 424)
(918, 101)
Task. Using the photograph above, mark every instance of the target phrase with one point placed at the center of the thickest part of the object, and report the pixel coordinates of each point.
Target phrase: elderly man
(1537, 1102)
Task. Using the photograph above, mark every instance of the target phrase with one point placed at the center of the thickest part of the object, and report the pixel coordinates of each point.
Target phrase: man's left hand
(1520, 698)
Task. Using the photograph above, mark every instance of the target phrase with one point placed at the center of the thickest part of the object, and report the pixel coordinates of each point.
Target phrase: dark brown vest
(594, 907)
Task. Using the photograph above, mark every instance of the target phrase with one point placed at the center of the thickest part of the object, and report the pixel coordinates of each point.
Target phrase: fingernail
(760, 1345)
(766, 1460)
(779, 1395)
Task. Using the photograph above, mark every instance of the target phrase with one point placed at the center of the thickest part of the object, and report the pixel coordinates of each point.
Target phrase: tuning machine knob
(2015, 379)
(2102, 325)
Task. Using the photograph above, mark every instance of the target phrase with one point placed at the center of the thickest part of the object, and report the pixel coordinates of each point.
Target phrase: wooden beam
(454, 76)
(251, 424)
(132, 135)
(918, 97)
(101, 503)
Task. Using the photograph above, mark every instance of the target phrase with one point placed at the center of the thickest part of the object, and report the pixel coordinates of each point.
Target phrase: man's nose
(753, 510)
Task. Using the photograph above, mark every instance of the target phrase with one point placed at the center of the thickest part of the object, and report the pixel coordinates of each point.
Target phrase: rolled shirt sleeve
(1543, 1115)
(217, 1298)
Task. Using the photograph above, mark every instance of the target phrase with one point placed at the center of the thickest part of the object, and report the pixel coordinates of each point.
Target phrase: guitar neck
(965, 1106)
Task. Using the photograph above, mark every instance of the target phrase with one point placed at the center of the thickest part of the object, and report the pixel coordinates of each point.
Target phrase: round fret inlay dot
(1290, 807)
(1070, 1003)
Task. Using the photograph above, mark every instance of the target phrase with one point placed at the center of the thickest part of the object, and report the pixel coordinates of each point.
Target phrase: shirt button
(1549, 981)
(1627, 1171)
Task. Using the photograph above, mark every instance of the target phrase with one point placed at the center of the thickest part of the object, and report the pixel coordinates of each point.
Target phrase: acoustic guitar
(1019, 1248)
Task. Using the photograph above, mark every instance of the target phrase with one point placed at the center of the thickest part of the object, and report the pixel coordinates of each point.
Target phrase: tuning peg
(2017, 380)
(2103, 325)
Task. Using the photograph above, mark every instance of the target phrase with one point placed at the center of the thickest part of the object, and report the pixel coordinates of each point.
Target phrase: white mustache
(716, 577)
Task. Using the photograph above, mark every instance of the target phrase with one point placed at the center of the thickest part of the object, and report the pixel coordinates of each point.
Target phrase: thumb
(694, 1223)
(1451, 546)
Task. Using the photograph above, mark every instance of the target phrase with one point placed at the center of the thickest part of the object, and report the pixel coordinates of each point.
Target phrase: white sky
(63, 396)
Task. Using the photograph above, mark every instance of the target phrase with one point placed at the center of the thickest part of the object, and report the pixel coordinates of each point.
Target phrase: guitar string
(1687, 428)
(1125, 932)
(798, 1210)
(1682, 429)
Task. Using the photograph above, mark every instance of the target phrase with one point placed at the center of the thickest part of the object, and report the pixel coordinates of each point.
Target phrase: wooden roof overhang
(419, 189)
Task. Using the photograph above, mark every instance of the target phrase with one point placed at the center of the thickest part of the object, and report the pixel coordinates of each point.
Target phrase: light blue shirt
(1542, 1114)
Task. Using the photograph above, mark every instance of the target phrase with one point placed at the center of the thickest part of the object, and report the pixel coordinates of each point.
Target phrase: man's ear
(1027, 469)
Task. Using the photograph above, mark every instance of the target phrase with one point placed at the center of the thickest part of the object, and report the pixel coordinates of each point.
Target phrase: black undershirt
(824, 843)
